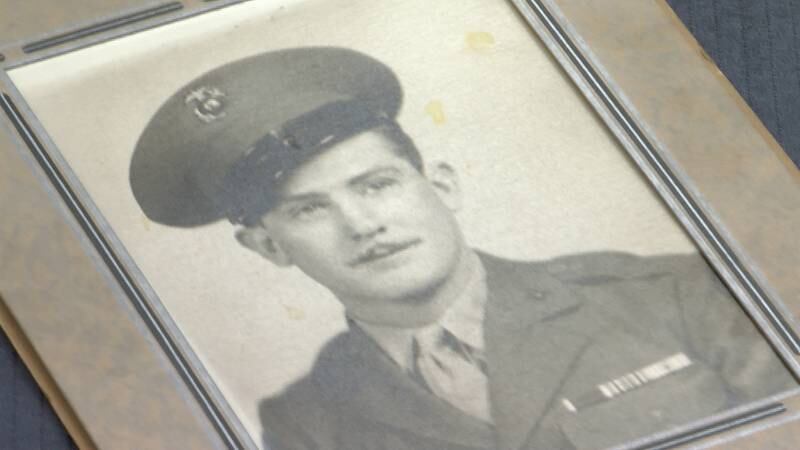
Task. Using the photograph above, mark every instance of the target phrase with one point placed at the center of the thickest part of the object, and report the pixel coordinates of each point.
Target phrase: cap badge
(208, 103)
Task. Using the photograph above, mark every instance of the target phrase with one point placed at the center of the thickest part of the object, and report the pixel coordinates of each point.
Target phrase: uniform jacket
(554, 330)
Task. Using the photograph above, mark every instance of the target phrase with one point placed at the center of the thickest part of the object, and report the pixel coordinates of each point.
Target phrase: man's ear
(445, 181)
(259, 240)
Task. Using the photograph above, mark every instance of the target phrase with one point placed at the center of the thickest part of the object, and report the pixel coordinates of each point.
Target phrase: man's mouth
(381, 251)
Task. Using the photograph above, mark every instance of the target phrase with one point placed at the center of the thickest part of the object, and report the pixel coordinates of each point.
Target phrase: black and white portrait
(399, 227)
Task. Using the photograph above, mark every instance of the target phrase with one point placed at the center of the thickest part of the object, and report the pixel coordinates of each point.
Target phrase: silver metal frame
(544, 18)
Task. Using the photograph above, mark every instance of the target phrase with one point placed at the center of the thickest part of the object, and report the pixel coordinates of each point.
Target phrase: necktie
(452, 371)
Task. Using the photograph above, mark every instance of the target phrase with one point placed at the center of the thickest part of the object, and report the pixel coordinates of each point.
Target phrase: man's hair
(253, 185)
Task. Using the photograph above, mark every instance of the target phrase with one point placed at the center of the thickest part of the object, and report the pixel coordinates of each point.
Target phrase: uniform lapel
(532, 342)
(361, 378)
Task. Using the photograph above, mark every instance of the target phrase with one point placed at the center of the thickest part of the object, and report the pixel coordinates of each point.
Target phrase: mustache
(382, 250)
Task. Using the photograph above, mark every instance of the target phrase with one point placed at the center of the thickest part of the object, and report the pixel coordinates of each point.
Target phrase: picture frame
(663, 141)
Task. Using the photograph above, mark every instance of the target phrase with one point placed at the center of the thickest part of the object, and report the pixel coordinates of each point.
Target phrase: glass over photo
(398, 226)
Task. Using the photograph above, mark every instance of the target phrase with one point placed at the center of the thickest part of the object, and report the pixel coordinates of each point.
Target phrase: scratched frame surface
(687, 167)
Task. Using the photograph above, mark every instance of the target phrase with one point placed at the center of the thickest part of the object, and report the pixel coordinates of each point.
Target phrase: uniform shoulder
(289, 401)
(589, 268)
(296, 419)
(300, 416)
(306, 388)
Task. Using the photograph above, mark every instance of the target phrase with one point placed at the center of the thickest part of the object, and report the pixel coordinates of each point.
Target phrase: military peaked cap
(256, 118)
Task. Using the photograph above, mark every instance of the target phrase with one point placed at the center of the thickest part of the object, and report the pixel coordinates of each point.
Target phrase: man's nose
(360, 221)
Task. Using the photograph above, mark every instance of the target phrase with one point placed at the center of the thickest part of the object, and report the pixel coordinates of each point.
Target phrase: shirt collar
(464, 319)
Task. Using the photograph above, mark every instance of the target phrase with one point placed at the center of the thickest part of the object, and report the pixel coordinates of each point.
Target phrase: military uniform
(580, 352)
(584, 351)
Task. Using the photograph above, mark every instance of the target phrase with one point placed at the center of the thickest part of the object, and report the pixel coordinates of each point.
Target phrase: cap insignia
(208, 103)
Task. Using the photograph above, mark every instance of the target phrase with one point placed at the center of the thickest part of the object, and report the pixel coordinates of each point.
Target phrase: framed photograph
(346, 224)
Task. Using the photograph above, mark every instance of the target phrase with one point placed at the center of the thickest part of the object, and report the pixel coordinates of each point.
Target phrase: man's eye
(378, 185)
(308, 211)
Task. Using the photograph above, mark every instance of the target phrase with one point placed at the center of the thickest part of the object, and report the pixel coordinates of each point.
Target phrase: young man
(447, 347)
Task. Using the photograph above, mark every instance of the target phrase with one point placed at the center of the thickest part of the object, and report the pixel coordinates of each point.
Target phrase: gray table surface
(756, 44)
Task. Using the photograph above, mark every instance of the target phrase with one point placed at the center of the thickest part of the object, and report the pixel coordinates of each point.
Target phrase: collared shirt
(464, 319)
